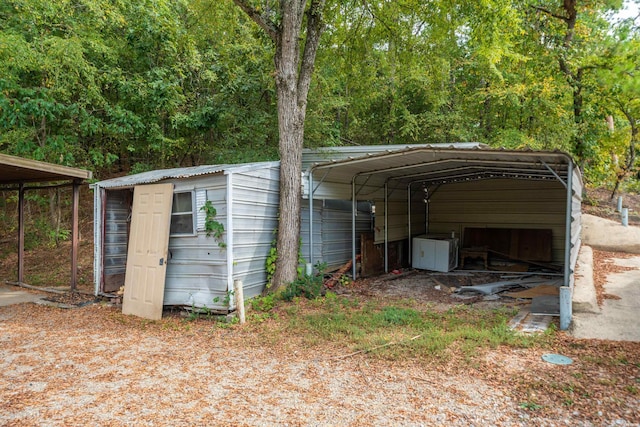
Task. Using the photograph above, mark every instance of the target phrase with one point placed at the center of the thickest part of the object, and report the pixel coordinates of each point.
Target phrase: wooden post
(239, 294)
(21, 233)
(75, 239)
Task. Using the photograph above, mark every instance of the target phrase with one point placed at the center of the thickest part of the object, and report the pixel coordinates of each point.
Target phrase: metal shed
(443, 189)
(199, 272)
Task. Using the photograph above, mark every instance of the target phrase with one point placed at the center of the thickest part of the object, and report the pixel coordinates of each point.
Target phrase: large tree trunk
(291, 130)
(293, 77)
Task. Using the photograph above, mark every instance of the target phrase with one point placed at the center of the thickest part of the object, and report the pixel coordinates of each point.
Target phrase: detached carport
(449, 189)
(19, 174)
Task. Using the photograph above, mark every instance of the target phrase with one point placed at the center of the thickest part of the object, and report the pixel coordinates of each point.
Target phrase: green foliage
(270, 263)
(226, 300)
(134, 86)
(264, 303)
(211, 226)
(404, 330)
(272, 258)
(310, 287)
(530, 406)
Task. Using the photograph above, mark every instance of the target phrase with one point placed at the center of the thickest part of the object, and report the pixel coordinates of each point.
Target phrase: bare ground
(94, 366)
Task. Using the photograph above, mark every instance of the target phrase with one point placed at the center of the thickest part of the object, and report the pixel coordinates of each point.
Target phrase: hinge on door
(161, 261)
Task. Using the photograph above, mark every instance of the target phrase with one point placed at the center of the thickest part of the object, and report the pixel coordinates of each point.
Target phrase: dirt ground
(94, 366)
(598, 202)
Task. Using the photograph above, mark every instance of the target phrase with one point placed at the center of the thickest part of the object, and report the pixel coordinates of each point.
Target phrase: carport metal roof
(15, 172)
(433, 166)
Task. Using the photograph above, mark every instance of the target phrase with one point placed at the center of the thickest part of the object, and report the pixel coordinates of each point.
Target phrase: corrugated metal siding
(317, 231)
(501, 203)
(332, 230)
(197, 269)
(398, 220)
(336, 230)
(116, 226)
(255, 217)
(576, 222)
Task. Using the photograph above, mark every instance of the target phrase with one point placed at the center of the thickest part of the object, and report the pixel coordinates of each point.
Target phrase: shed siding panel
(255, 217)
(196, 272)
(336, 230)
(317, 231)
(396, 220)
(116, 233)
(501, 203)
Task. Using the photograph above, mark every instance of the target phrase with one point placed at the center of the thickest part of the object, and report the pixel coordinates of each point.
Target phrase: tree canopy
(120, 86)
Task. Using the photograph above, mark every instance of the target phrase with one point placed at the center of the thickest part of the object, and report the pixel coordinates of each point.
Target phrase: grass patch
(401, 329)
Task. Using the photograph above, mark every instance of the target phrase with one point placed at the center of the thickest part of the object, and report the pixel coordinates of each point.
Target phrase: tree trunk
(292, 76)
(291, 131)
(627, 168)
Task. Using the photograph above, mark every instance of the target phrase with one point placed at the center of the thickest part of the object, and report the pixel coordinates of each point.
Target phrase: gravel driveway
(94, 366)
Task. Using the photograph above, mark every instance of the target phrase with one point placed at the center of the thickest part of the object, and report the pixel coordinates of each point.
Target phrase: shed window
(182, 213)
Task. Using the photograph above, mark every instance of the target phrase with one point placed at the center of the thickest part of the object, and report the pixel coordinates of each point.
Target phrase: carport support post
(565, 290)
(75, 239)
(21, 233)
(386, 227)
(354, 209)
(565, 307)
(409, 218)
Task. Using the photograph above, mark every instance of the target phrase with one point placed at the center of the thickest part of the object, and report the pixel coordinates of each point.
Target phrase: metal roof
(15, 170)
(311, 156)
(433, 165)
(179, 173)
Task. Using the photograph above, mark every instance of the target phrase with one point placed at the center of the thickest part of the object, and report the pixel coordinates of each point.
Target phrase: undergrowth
(398, 329)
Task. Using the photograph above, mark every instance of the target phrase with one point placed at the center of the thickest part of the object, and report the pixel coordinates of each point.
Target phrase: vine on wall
(211, 226)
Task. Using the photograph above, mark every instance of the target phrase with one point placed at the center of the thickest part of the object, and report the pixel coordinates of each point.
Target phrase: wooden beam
(74, 234)
(21, 234)
(65, 172)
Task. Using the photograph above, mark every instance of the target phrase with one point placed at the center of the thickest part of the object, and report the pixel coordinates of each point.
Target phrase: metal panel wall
(116, 237)
(336, 230)
(332, 230)
(576, 222)
(501, 203)
(398, 220)
(317, 231)
(197, 270)
(255, 217)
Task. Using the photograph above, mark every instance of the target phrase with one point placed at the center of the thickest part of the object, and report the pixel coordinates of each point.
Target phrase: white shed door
(147, 251)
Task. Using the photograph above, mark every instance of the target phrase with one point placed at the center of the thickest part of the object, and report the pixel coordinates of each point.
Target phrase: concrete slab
(584, 291)
(607, 235)
(618, 318)
(13, 295)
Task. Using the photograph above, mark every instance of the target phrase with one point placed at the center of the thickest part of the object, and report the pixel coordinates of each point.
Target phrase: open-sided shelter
(21, 175)
(526, 203)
